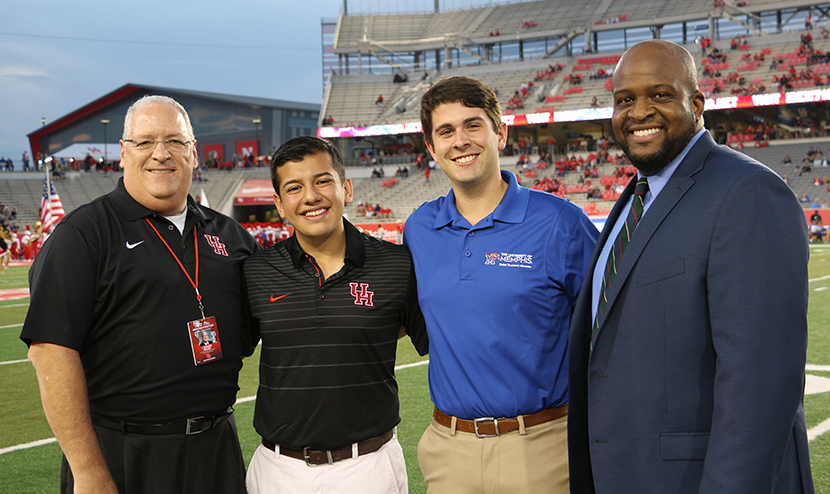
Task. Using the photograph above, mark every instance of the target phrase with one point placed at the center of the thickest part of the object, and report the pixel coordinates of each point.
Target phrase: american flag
(51, 209)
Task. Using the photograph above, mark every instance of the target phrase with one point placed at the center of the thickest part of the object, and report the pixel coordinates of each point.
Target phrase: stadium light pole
(105, 122)
(256, 122)
(38, 160)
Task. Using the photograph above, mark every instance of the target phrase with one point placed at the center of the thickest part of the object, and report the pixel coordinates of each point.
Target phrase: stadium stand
(508, 46)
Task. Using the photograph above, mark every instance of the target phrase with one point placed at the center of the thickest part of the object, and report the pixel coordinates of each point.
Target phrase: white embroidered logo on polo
(508, 260)
(133, 246)
(218, 246)
(362, 295)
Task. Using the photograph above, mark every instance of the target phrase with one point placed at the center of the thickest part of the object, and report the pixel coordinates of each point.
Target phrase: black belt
(314, 457)
(187, 426)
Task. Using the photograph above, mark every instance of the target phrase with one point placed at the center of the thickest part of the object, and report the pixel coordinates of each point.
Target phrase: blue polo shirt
(497, 298)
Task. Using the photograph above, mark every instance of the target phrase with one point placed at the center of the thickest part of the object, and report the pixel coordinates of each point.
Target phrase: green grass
(36, 470)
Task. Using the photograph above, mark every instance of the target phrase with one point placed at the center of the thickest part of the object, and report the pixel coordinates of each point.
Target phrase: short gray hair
(151, 99)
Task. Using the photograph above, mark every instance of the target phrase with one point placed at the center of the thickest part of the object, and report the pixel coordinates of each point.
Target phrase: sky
(57, 56)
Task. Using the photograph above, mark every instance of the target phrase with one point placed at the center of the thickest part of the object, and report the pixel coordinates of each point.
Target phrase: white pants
(381, 472)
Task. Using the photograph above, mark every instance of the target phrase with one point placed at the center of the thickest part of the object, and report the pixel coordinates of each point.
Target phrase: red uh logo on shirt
(362, 296)
(218, 246)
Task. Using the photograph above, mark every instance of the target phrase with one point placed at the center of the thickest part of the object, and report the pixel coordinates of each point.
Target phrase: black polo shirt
(104, 284)
(326, 371)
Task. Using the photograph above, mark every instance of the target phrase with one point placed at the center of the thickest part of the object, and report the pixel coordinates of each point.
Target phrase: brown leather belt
(315, 457)
(492, 427)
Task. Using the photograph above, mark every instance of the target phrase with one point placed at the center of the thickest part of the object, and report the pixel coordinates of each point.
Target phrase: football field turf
(35, 469)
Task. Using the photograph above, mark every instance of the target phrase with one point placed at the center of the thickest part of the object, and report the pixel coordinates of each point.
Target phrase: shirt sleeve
(579, 240)
(62, 283)
(413, 319)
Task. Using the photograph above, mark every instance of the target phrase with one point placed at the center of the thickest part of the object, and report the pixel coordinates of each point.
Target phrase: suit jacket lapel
(675, 188)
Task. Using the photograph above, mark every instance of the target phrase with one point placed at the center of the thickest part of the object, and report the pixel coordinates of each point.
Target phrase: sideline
(14, 293)
(51, 440)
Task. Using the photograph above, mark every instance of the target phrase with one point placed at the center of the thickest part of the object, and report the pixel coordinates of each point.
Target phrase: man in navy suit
(693, 379)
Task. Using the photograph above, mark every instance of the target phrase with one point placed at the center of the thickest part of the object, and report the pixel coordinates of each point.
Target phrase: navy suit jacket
(696, 381)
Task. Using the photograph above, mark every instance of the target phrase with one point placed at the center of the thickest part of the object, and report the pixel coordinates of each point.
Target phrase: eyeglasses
(174, 145)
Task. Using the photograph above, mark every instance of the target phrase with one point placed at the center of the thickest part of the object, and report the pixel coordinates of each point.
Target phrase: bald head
(665, 51)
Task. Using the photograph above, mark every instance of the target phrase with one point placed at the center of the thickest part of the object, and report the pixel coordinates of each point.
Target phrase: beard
(670, 148)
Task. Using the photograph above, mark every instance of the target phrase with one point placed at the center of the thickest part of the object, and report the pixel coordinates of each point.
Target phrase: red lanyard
(195, 248)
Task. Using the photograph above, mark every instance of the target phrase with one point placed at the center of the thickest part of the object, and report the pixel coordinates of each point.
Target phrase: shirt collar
(132, 210)
(659, 180)
(511, 209)
(355, 249)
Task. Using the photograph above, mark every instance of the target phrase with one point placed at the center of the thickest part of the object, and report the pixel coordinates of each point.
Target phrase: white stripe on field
(820, 278)
(28, 445)
(818, 430)
(11, 326)
(14, 361)
(414, 364)
(814, 367)
(240, 400)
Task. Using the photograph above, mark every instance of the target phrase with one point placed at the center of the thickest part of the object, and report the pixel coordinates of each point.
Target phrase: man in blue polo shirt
(499, 268)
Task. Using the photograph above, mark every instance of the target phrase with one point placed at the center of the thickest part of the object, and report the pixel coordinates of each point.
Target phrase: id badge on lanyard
(203, 333)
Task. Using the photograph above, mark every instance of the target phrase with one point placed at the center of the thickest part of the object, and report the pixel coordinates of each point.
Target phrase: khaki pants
(529, 461)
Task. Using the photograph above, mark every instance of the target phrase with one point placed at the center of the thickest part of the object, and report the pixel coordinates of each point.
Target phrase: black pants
(206, 463)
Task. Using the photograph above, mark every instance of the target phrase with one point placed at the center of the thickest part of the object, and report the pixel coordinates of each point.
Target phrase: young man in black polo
(329, 304)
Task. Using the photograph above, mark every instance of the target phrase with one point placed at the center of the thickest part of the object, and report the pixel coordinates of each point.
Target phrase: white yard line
(14, 361)
(818, 430)
(27, 445)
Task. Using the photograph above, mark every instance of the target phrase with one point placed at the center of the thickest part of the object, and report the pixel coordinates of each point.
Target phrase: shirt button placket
(467, 259)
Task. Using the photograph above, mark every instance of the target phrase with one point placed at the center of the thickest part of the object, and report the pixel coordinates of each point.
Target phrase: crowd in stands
(815, 60)
(600, 74)
(739, 43)
(247, 161)
(608, 187)
(8, 218)
(814, 158)
(369, 211)
(516, 101)
(6, 164)
(267, 233)
(549, 73)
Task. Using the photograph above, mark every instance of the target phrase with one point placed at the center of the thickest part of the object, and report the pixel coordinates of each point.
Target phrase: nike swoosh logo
(133, 246)
(274, 299)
